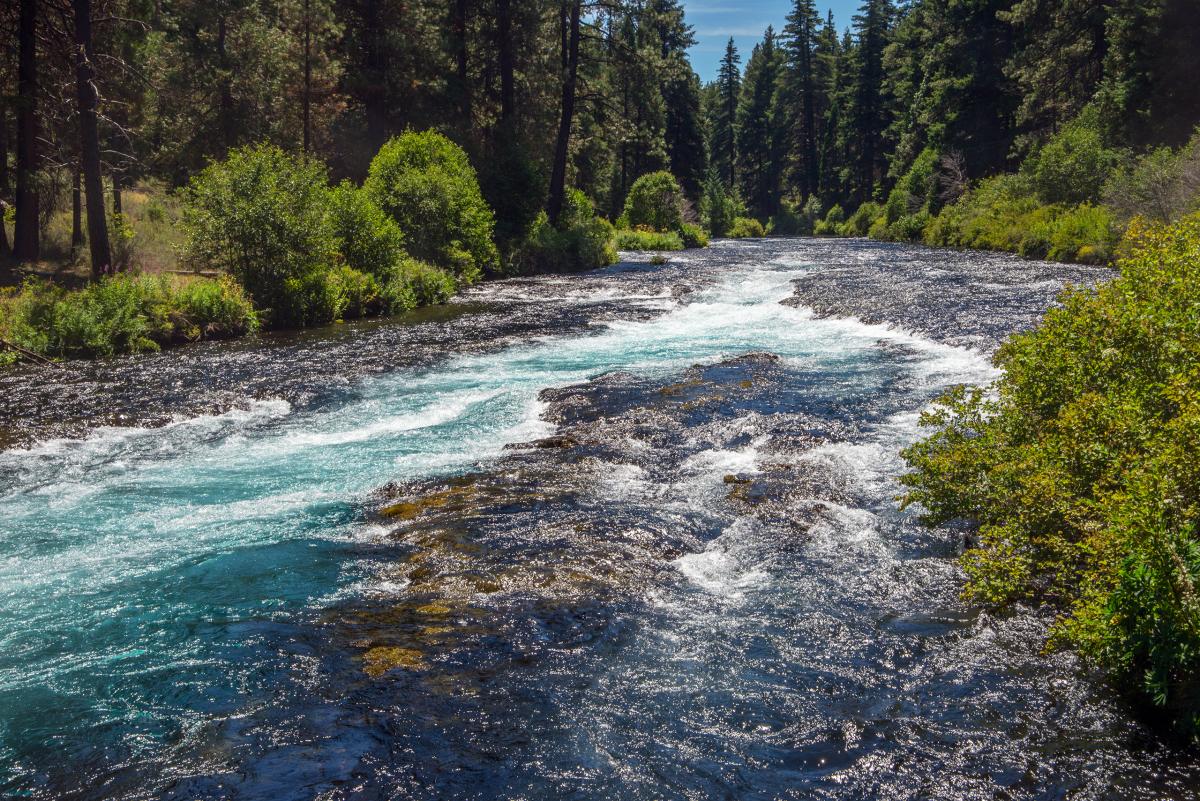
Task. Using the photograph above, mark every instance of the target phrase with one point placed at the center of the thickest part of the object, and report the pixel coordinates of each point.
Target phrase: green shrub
(719, 207)
(582, 242)
(655, 201)
(693, 236)
(1162, 185)
(909, 228)
(832, 223)
(1074, 165)
(368, 239)
(635, 240)
(859, 223)
(212, 309)
(1085, 234)
(744, 227)
(123, 314)
(429, 285)
(262, 216)
(427, 185)
(1080, 470)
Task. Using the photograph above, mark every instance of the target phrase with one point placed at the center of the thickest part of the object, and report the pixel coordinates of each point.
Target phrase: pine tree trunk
(307, 77)
(25, 234)
(77, 210)
(507, 60)
(570, 57)
(89, 141)
(118, 207)
(4, 246)
(458, 29)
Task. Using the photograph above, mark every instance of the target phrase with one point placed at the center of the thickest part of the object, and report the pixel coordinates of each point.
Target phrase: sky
(716, 20)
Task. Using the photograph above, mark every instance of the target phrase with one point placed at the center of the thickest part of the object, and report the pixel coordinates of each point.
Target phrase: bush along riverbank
(1069, 201)
(290, 250)
(1079, 467)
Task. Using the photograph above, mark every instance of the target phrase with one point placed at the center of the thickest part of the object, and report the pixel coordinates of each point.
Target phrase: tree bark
(504, 44)
(4, 246)
(77, 210)
(570, 58)
(307, 76)
(458, 30)
(118, 206)
(89, 141)
(225, 112)
(25, 234)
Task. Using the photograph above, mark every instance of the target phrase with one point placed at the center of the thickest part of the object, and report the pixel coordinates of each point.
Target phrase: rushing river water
(624, 535)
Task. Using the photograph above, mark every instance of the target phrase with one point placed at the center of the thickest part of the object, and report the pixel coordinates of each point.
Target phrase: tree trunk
(117, 205)
(4, 247)
(89, 140)
(307, 77)
(225, 112)
(458, 30)
(25, 234)
(507, 59)
(77, 211)
(570, 58)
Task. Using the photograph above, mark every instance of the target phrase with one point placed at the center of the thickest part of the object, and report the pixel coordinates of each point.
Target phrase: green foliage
(1074, 165)
(367, 238)
(795, 220)
(693, 236)
(582, 242)
(427, 185)
(1163, 185)
(261, 215)
(720, 207)
(831, 225)
(429, 285)
(642, 240)
(859, 223)
(1080, 469)
(123, 314)
(655, 201)
(745, 227)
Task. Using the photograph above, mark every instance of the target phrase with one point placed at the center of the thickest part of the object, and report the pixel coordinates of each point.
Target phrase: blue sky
(716, 20)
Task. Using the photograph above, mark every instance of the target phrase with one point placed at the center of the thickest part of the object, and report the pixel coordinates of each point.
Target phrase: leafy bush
(640, 240)
(207, 308)
(720, 207)
(832, 222)
(428, 285)
(583, 242)
(1163, 185)
(123, 314)
(655, 201)
(860, 221)
(427, 185)
(1080, 470)
(262, 216)
(1074, 165)
(693, 236)
(368, 239)
(1084, 234)
(744, 227)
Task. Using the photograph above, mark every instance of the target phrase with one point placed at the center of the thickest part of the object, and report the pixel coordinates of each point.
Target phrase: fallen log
(36, 358)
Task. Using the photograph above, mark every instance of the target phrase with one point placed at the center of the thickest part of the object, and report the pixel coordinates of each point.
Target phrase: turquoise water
(155, 580)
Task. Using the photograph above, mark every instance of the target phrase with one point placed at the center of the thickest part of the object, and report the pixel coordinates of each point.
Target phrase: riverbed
(631, 534)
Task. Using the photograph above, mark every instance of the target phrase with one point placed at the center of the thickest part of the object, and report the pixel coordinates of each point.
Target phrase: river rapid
(623, 535)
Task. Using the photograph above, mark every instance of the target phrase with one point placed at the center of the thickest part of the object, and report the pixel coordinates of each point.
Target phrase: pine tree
(758, 167)
(802, 88)
(724, 125)
(869, 121)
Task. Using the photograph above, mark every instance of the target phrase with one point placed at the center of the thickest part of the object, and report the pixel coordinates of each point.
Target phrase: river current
(623, 535)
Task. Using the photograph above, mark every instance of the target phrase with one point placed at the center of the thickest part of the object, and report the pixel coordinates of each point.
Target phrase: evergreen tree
(757, 120)
(723, 137)
(869, 119)
(802, 87)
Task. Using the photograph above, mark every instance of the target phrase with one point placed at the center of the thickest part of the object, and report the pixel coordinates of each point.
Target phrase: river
(624, 535)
